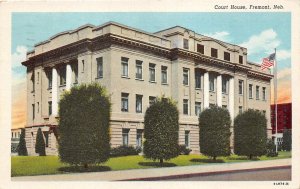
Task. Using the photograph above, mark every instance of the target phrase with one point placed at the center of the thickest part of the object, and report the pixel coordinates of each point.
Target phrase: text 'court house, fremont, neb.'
(136, 67)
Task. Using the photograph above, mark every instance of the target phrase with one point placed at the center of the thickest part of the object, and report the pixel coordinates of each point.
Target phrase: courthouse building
(136, 67)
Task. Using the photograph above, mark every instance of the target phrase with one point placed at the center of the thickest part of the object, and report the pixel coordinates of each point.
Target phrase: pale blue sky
(259, 32)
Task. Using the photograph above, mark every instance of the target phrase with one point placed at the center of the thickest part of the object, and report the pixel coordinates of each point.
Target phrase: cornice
(72, 51)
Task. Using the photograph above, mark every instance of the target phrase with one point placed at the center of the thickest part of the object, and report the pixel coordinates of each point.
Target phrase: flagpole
(275, 100)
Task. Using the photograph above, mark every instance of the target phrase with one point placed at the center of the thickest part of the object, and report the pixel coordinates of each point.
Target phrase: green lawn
(35, 165)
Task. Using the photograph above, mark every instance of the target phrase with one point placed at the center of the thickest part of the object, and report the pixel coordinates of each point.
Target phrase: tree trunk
(85, 165)
(214, 158)
(250, 157)
(161, 161)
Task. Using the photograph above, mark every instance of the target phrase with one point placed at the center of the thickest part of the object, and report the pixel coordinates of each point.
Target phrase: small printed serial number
(281, 183)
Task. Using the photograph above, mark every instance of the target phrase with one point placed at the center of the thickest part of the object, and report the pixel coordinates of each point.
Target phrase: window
(125, 137)
(33, 111)
(227, 56)
(211, 82)
(139, 137)
(185, 76)
(139, 103)
(185, 43)
(99, 67)
(62, 75)
(257, 92)
(224, 85)
(152, 99)
(124, 102)
(200, 48)
(240, 109)
(241, 59)
(241, 87)
(185, 107)
(139, 69)
(32, 82)
(75, 71)
(49, 77)
(214, 53)
(38, 107)
(197, 79)
(264, 93)
(187, 138)
(38, 77)
(250, 91)
(82, 62)
(49, 108)
(152, 72)
(164, 74)
(197, 108)
(124, 62)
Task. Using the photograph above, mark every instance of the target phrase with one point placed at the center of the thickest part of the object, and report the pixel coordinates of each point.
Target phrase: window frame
(49, 108)
(198, 77)
(200, 48)
(187, 138)
(99, 61)
(226, 56)
(241, 87)
(49, 77)
(257, 92)
(224, 79)
(250, 91)
(152, 73)
(138, 99)
(186, 44)
(164, 71)
(197, 107)
(185, 74)
(241, 61)
(264, 93)
(125, 136)
(139, 67)
(211, 82)
(124, 102)
(213, 52)
(185, 107)
(62, 75)
(125, 67)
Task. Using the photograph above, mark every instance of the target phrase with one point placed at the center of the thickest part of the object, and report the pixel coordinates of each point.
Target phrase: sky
(260, 33)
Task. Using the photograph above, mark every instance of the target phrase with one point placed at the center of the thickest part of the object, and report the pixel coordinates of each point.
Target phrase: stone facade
(136, 66)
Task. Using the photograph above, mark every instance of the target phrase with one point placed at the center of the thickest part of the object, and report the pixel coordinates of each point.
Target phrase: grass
(35, 165)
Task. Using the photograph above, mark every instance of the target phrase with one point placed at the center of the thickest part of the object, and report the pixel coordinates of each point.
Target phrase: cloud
(283, 54)
(19, 56)
(264, 42)
(222, 35)
(284, 74)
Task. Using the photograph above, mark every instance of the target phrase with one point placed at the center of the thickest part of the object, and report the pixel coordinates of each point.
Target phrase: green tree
(22, 149)
(161, 130)
(40, 143)
(214, 132)
(83, 129)
(287, 140)
(250, 134)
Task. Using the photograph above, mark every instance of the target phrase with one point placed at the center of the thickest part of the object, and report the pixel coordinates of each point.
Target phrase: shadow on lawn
(81, 169)
(207, 160)
(157, 164)
(243, 158)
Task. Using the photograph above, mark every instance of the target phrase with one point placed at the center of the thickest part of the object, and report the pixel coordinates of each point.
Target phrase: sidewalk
(140, 174)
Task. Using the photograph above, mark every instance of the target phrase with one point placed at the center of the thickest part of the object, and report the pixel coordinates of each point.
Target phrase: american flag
(268, 62)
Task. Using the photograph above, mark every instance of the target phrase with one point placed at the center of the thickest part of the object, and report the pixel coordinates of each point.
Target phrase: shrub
(124, 151)
(214, 132)
(250, 133)
(287, 140)
(271, 148)
(183, 150)
(40, 143)
(83, 128)
(22, 149)
(161, 130)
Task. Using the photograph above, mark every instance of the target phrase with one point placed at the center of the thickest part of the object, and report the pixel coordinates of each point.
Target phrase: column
(54, 92)
(206, 91)
(231, 98)
(219, 90)
(68, 77)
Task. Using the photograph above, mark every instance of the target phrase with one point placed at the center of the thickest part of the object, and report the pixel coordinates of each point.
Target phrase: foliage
(271, 148)
(183, 150)
(250, 133)
(22, 149)
(124, 151)
(287, 140)
(214, 132)
(40, 143)
(161, 130)
(84, 125)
